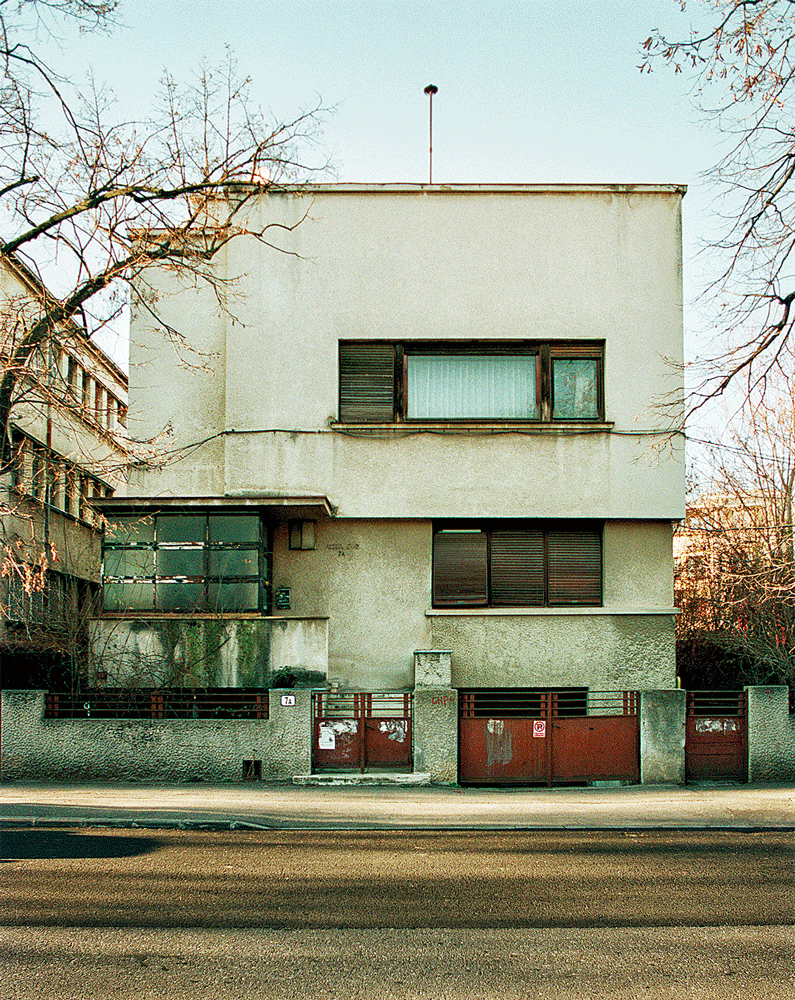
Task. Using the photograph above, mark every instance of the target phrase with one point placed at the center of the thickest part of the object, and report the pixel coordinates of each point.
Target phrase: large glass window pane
(180, 597)
(574, 388)
(234, 528)
(131, 530)
(497, 386)
(180, 527)
(460, 571)
(180, 562)
(234, 562)
(237, 596)
(128, 596)
(129, 562)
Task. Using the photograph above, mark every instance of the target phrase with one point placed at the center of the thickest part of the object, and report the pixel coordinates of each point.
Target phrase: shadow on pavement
(25, 845)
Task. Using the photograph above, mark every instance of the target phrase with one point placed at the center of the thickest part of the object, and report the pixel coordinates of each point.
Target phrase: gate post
(662, 737)
(435, 717)
(290, 750)
(771, 734)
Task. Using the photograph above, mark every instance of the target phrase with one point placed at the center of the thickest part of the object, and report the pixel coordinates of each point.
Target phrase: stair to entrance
(373, 777)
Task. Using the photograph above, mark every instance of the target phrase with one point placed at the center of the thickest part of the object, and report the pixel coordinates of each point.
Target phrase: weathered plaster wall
(771, 735)
(143, 749)
(638, 566)
(372, 579)
(436, 734)
(601, 651)
(208, 652)
(662, 737)
(568, 263)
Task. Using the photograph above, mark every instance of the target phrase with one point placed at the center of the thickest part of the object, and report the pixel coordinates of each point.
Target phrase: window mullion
(545, 381)
(400, 383)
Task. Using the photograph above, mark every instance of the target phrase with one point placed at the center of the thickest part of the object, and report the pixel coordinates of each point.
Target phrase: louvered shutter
(517, 568)
(460, 573)
(367, 383)
(575, 567)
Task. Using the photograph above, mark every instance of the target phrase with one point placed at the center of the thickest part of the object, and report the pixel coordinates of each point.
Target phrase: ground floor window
(186, 561)
(525, 564)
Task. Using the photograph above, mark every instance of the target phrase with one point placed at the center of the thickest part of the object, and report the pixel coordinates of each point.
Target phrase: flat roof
(356, 187)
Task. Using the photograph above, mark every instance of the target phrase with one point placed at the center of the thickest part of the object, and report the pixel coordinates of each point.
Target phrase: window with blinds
(522, 566)
(490, 380)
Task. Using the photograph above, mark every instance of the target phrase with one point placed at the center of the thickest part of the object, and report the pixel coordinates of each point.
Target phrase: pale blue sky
(536, 91)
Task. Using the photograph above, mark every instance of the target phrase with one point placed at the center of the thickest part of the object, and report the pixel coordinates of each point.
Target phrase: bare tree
(743, 67)
(111, 197)
(735, 567)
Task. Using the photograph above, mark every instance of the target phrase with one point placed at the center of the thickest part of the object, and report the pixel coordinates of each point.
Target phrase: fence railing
(717, 703)
(530, 703)
(158, 703)
(362, 704)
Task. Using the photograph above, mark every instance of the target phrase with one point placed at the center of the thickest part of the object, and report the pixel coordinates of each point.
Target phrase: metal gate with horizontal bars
(361, 730)
(716, 737)
(528, 736)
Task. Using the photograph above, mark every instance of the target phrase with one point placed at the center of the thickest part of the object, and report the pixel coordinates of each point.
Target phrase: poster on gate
(540, 728)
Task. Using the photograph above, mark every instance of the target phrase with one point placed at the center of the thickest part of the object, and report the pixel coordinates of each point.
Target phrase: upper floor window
(185, 561)
(525, 564)
(508, 381)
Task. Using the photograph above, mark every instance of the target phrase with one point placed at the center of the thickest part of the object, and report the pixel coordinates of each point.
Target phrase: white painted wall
(467, 263)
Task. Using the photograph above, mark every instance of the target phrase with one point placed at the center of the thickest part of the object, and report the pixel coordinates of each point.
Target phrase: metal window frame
(262, 547)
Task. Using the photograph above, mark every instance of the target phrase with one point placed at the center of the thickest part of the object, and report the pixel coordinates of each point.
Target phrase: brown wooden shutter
(574, 567)
(460, 572)
(517, 568)
(367, 383)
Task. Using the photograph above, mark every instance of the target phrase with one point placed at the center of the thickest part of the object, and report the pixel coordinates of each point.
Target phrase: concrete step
(368, 778)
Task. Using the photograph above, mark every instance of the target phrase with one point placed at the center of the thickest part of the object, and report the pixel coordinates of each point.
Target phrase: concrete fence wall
(152, 749)
(34, 747)
(771, 735)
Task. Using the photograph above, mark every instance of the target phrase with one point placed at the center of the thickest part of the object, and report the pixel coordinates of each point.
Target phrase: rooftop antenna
(430, 90)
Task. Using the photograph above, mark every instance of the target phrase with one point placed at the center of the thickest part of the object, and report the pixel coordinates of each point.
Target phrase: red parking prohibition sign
(540, 728)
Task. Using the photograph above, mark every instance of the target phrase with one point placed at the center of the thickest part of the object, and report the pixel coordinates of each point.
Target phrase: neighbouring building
(67, 431)
(428, 420)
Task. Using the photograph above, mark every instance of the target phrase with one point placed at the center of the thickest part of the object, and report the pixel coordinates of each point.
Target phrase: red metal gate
(361, 730)
(716, 738)
(525, 736)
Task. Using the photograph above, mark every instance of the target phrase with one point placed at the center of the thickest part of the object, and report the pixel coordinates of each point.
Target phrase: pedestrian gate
(716, 738)
(527, 736)
(357, 731)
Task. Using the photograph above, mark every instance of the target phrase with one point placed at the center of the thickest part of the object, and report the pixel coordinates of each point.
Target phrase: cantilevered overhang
(279, 506)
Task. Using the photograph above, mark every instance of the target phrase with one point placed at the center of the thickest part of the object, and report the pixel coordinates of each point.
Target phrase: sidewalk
(288, 807)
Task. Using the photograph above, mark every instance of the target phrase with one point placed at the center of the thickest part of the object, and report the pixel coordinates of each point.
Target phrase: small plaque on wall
(281, 598)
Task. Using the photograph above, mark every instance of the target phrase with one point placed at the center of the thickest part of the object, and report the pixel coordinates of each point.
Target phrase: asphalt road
(118, 913)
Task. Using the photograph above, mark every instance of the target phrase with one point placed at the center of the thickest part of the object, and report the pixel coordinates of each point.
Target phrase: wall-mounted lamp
(302, 534)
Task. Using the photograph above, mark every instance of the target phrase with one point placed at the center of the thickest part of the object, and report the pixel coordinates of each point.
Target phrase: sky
(535, 91)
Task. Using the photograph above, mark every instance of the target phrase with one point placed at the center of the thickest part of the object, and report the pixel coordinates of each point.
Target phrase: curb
(307, 825)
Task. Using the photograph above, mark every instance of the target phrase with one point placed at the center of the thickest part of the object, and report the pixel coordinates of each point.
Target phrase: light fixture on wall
(302, 534)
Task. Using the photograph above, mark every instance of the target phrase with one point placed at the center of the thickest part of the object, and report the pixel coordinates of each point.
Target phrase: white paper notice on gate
(540, 728)
(326, 739)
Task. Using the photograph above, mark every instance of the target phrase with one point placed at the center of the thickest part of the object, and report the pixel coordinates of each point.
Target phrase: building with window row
(67, 442)
(428, 419)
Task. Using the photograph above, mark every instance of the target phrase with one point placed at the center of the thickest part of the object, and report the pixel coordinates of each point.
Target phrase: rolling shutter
(574, 567)
(460, 570)
(517, 568)
(367, 383)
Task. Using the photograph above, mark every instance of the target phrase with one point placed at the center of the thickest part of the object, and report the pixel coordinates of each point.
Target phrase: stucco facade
(484, 271)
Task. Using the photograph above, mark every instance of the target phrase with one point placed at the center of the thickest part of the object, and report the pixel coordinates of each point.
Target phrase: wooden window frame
(548, 529)
(546, 353)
